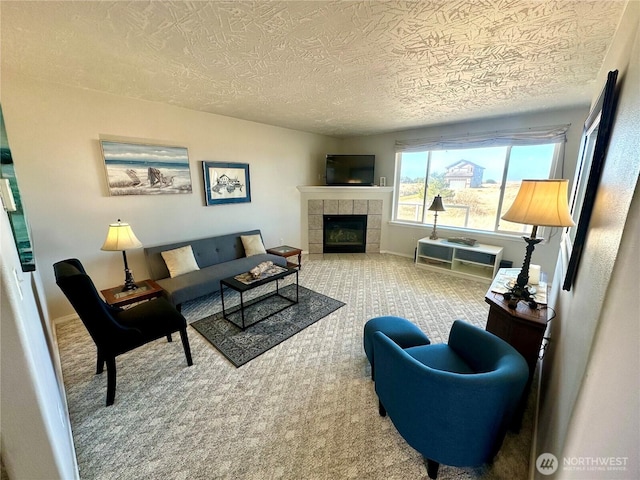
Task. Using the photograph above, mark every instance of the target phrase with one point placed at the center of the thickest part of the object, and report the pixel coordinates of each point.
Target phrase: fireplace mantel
(323, 189)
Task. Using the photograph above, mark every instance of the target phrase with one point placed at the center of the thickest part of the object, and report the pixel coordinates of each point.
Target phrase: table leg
(224, 314)
(242, 309)
(299, 261)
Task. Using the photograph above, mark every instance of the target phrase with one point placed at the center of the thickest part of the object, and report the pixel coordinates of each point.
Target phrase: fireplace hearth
(344, 233)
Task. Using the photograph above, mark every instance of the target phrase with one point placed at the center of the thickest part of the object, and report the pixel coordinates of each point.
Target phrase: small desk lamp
(538, 203)
(436, 206)
(120, 237)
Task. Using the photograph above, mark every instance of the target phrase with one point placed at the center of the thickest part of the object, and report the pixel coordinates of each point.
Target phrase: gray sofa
(218, 258)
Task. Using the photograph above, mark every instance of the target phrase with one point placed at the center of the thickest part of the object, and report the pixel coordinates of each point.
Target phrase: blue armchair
(451, 402)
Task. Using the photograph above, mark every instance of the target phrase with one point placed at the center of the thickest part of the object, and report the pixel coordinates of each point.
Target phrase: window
(477, 183)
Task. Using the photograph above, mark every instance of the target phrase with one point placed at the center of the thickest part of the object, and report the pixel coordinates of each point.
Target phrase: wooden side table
(523, 328)
(147, 289)
(287, 251)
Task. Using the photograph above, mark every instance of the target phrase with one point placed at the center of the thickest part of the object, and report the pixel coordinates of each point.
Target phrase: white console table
(479, 261)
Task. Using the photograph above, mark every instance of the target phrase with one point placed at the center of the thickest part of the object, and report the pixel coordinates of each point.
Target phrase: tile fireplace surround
(319, 201)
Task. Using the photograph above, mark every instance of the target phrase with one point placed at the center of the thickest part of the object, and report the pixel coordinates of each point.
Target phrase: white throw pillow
(252, 245)
(180, 261)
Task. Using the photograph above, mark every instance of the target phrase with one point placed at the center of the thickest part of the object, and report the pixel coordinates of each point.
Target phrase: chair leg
(432, 468)
(169, 339)
(185, 345)
(99, 364)
(111, 380)
(381, 410)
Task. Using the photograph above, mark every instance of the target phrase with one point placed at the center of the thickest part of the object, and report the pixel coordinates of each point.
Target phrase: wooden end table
(147, 289)
(523, 328)
(286, 251)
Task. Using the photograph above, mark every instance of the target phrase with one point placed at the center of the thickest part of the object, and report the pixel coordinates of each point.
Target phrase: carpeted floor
(306, 409)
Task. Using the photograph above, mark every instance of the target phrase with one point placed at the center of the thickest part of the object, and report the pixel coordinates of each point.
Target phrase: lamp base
(517, 293)
(520, 291)
(129, 283)
(434, 232)
(128, 288)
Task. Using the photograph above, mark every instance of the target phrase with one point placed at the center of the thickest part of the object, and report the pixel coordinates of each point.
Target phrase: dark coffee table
(242, 288)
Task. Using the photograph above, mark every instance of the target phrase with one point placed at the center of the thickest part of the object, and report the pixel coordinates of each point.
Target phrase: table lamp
(120, 237)
(436, 206)
(540, 203)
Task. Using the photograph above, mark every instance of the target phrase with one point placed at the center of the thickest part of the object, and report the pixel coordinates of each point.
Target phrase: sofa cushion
(252, 245)
(180, 261)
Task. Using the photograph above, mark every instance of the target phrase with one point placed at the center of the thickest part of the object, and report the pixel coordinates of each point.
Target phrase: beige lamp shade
(541, 203)
(120, 237)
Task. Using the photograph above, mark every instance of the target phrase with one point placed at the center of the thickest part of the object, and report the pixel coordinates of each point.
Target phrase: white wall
(54, 134)
(36, 433)
(590, 386)
(402, 239)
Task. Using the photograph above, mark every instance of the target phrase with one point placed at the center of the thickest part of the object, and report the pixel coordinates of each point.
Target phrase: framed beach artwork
(139, 169)
(226, 183)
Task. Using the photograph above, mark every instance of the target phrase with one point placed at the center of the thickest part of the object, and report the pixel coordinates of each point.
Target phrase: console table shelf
(479, 261)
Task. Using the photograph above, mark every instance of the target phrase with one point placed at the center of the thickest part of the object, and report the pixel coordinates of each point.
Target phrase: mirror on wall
(13, 202)
(593, 153)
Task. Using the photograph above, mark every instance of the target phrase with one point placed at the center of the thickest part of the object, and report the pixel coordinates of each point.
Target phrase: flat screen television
(350, 170)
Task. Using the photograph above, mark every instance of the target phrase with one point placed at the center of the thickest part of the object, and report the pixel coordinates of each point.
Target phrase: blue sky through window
(526, 162)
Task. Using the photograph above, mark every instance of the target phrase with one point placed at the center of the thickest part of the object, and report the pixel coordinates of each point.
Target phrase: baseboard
(398, 254)
(382, 252)
(534, 434)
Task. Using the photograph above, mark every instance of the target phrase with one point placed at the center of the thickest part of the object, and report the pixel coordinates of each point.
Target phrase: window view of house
(477, 185)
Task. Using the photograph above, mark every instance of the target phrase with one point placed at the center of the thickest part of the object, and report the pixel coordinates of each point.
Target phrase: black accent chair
(116, 330)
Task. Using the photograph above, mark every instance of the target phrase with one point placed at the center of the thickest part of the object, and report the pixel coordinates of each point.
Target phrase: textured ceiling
(338, 68)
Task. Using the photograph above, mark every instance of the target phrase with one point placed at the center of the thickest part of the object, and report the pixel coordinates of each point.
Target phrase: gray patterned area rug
(240, 346)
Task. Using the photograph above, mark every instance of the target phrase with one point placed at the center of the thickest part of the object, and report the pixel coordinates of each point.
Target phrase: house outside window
(477, 183)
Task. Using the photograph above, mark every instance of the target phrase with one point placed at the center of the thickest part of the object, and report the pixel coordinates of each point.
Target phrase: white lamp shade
(541, 203)
(120, 237)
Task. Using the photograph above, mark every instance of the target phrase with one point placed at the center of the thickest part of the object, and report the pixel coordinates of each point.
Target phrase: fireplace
(363, 202)
(344, 233)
